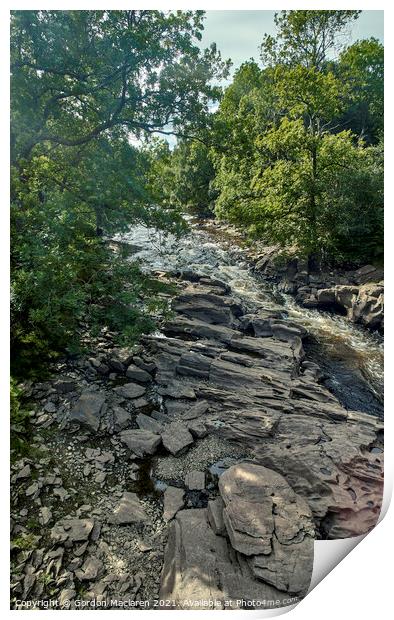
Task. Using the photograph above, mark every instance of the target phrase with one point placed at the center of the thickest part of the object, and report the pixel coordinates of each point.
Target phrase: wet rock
(130, 390)
(138, 374)
(207, 307)
(195, 480)
(88, 410)
(173, 501)
(129, 510)
(141, 441)
(176, 438)
(362, 304)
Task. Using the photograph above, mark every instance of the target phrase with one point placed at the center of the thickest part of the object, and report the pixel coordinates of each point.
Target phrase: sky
(238, 34)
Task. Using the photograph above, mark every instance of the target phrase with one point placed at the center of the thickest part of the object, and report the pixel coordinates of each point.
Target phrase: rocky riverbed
(197, 467)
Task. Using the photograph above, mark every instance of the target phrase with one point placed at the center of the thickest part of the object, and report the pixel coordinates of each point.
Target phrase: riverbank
(129, 448)
(356, 293)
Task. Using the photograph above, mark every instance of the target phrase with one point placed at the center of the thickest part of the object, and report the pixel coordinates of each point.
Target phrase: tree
(87, 88)
(362, 67)
(77, 74)
(287, 177)
(185, 177)
(305, 38)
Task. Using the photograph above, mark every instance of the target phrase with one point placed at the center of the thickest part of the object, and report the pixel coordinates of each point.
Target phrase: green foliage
(19, 422)
(362, 66)
(305, 37)
(288, 170)
(77, 74)
(24, 542)
(183, 177)
(88, 89)
(19, 415)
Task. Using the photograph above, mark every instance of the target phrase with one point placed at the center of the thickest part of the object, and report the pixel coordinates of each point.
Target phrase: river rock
(88, 410)
(149, 424)
(258, 503)
(176, 438)
(173, 501)
(141, 441)
(138, 374)
(128, 510)
(201, 566)
(72, 530)
(130, 390)
(363, 304)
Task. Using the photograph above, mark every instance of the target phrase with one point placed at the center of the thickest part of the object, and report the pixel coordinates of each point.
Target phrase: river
(350, 357)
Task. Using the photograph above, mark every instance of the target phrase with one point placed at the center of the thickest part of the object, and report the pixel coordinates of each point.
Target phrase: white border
(360, 586)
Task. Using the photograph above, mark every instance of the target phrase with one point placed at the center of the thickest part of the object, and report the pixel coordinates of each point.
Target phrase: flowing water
(350, 356)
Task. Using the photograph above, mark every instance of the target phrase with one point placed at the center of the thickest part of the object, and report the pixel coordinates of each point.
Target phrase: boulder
(141, 441)
(345, 295)
(326, 297)
(88, 410)
(173, 501)
(201, 571)
(138, 374)
(130, 390)
(176, 438)
(72, 530)
(269, 523)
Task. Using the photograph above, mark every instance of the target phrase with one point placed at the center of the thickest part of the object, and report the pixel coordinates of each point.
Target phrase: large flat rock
(201, 566)
(68, 531)
(130, 390)
(88, 410)
(270, 524)
(176, 438)
(141, 441)
(173, 501)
